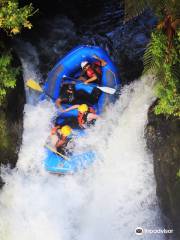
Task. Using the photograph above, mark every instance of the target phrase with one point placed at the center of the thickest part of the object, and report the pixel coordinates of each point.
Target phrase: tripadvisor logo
(139, 231)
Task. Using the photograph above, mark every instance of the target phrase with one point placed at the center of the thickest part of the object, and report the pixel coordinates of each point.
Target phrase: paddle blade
(34, 85)
(108, 90)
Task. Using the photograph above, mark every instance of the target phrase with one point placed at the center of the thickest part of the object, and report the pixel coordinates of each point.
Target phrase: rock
(163, 139)
(140, 39)
(130, 41)
(11, 122)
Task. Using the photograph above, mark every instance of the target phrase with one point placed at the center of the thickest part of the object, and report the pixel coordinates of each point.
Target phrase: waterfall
(106, 201)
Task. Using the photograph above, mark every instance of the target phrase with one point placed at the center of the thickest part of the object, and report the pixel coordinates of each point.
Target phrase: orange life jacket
(54, 130)
(82, 117)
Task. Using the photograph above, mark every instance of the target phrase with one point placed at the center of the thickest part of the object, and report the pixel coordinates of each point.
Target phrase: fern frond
(149, 61)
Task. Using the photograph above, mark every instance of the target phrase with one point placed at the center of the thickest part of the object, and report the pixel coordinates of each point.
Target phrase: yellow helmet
(83, 108)
(66, 130)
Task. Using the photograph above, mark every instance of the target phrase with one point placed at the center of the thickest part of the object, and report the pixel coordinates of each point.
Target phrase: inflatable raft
(70, 66)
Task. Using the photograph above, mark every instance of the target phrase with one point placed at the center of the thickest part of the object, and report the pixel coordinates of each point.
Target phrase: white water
(30, 61)
(107, 201)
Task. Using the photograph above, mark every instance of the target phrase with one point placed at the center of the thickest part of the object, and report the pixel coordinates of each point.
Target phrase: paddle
(108, 90)
(58, 153)
(35, 86)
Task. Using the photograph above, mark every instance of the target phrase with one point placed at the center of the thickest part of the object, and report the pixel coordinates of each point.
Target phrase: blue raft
(70, 66)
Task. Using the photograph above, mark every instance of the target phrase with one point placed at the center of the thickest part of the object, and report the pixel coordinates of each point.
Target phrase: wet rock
(130, 41)
(96, 23)
(163, 139)
(140, 39)
(11, 122)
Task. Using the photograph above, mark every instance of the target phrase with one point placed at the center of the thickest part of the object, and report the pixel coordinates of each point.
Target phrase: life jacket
(94, 69)
(83, 117)
(54, 130)
(62, 140)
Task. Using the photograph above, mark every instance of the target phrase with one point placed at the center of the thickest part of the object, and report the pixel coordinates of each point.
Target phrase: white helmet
(83, 64)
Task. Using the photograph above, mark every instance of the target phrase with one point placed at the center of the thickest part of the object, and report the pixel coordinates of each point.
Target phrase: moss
(8, 140)
(4, 139)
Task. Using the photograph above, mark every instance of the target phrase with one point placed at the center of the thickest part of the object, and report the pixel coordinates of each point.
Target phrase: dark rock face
(11, 122)
(163, 139)
(95, 23)
(130, 41)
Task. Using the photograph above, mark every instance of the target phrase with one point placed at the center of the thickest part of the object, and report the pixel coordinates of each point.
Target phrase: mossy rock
(11, 121)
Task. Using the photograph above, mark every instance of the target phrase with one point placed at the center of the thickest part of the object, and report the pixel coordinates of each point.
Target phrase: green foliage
(7, 75)
(155, 53)
(162, 56)
(13, 18)
(166, 65)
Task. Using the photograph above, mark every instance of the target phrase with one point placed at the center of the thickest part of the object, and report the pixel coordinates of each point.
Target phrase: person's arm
(81, 78)
(59, 143)
(83, 126)
(58, 102)
(71, 108)
(92, 116)
(103, 63)
(92, 79)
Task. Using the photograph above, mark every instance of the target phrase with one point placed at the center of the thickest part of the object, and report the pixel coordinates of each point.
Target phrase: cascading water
(30, 61)
(106, 201)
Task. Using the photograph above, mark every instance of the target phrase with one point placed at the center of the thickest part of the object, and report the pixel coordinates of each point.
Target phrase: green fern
(166, 66)
(155, 53)
(162, 55)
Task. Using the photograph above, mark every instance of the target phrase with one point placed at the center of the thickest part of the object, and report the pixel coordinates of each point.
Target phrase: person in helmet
(69, 95)
(91, 72)
(60, 137)
(86, 115)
